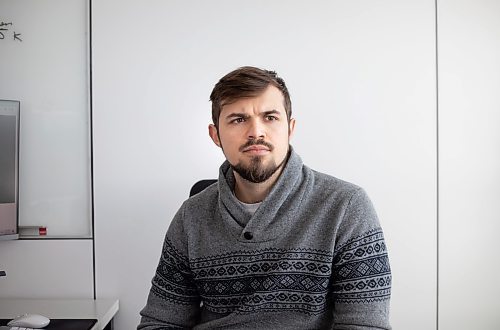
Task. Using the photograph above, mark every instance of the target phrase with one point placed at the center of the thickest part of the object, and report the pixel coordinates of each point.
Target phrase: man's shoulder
(327, 182)
(204, 199)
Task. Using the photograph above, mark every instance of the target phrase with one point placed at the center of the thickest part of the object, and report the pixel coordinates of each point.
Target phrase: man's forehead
(270, 99)
(238, 108)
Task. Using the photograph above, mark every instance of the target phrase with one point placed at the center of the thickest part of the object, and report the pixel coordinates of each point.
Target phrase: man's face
(254, 134)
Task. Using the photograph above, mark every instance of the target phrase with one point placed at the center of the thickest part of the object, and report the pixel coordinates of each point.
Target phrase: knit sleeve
(173, 301)
(361, 271)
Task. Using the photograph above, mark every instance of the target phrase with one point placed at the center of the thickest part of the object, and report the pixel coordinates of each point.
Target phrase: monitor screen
(9, 169)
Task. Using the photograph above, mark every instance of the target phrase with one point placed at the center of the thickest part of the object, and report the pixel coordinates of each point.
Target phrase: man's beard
(256, 171)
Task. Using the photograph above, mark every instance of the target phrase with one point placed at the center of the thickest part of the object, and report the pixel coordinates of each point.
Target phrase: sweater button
(248, 235)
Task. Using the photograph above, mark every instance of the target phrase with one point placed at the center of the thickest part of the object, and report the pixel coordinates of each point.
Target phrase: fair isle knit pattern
(363, 274)
(272, 279)
(312, 256)
(265, 280)
(173, 280)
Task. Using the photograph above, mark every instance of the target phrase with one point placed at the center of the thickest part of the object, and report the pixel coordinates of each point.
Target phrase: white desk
(101, 309)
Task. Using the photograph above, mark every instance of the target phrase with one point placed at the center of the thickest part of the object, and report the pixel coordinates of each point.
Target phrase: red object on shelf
(42, 231)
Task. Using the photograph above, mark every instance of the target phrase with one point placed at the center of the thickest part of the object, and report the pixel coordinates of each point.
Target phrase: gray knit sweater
(311, 257)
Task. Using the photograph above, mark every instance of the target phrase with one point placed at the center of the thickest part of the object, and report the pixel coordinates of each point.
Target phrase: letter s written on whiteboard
(4, 30)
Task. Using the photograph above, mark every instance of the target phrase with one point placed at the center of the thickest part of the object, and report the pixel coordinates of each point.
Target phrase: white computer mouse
(34, 321)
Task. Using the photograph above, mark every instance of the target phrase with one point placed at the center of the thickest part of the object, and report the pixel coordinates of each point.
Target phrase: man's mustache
(255, 143)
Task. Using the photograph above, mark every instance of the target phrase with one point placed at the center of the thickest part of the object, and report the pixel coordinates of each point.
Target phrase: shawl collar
(275, 214)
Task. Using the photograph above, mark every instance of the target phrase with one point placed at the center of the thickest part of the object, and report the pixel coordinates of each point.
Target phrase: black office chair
(200, 186)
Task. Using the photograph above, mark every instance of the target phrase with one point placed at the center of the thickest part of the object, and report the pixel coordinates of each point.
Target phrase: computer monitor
(9, 169)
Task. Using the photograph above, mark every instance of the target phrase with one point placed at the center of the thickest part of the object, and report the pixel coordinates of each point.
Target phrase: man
(273, 244)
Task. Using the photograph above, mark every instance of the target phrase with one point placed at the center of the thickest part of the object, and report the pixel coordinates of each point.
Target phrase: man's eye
(271, 118)
(238, 120)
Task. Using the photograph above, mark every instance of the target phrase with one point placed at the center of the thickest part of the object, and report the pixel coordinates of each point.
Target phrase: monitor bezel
(17, 114)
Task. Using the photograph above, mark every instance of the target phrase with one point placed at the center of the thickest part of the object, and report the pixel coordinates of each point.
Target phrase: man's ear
(212, 131)
(291, 128)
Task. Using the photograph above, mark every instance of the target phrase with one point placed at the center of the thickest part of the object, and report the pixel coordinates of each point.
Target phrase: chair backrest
(200, 186)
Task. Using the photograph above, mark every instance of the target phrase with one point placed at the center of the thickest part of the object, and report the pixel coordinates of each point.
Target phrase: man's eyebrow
(271, 112)
(245, 115)
(237, 115)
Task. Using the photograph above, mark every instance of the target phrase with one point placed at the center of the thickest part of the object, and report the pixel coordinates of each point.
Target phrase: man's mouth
(256, 147)
(256, 150)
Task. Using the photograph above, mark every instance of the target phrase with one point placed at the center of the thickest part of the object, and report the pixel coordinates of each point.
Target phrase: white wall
(469, 116)
(363, 85)
(361, 76)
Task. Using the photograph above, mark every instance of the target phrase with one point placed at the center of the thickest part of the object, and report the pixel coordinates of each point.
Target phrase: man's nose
(256, 130)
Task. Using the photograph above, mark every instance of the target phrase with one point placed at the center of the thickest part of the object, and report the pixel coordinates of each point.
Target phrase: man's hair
(244, 82)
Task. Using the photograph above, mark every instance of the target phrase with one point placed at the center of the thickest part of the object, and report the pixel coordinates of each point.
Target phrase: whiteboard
(44, 65)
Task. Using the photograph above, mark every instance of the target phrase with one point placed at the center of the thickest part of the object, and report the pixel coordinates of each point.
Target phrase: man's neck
(249, 192)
